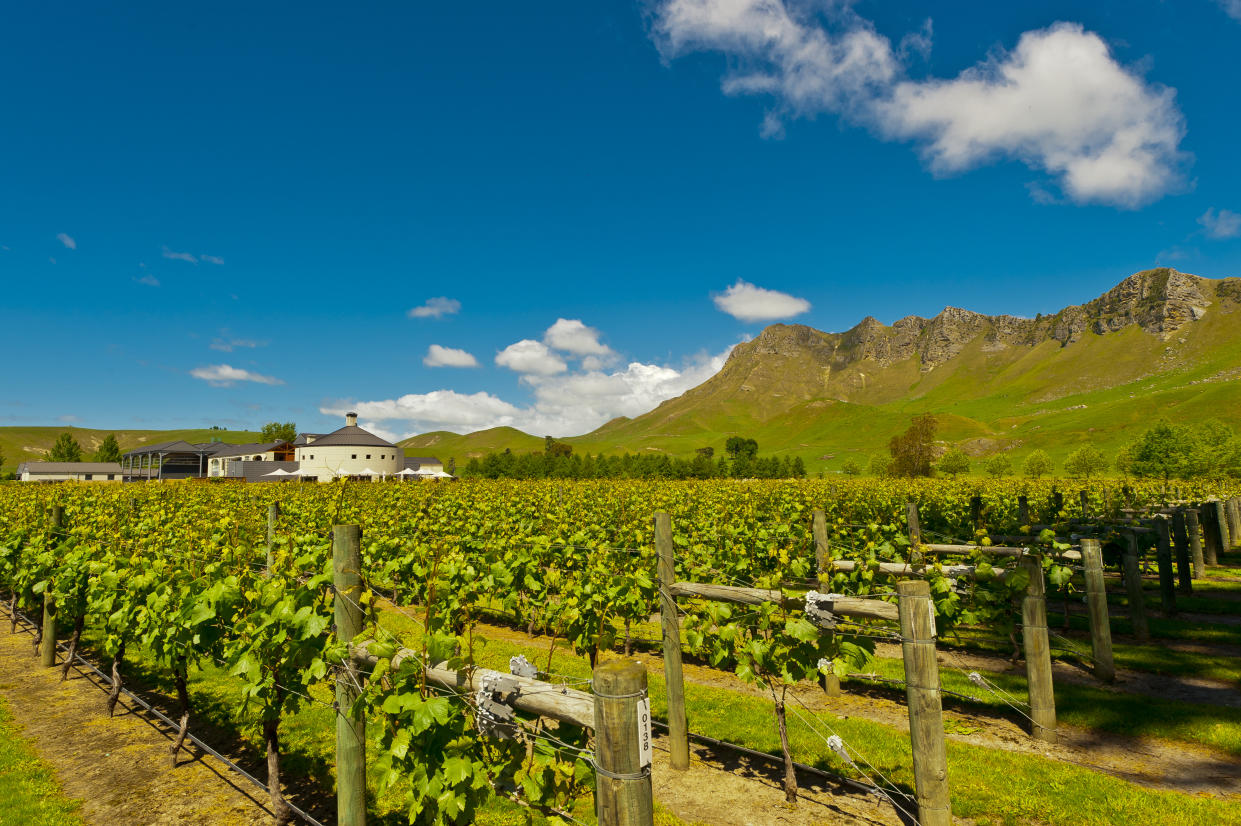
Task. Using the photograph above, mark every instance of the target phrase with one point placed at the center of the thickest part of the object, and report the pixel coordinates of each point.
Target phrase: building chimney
(351, 420)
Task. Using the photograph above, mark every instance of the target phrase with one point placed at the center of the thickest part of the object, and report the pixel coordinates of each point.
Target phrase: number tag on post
(644, 732)
(930, 605)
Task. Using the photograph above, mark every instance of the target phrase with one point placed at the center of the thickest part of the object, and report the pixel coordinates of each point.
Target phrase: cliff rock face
(1160, 302)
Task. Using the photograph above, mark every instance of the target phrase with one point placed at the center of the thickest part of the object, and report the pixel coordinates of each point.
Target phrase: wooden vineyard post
(1023, 513)
(1038, 653)
(1163, 556)
(273, 513)
(922, 694)
(823, 559)
(1180, 542)
(1234, 518)
(1210, 534)
(1133, 586)
(822, 554)
(1085, 497)
(678, 727)
(1227, 513)
(1096, 600)
(915, 530)
(1221, 526)
(47, 643)
(1195, 542)
(623, 795)
(350, 725)
(976, 511)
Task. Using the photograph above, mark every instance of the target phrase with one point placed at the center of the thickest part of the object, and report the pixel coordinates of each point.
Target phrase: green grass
(22, 444)
(989, 785)
(29, 793)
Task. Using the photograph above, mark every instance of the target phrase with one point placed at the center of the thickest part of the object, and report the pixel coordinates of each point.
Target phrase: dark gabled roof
(414, 462)
(350, 436)
(243, 450)
(69, 467)
(303, 438)
(178, 446)
(257, 471)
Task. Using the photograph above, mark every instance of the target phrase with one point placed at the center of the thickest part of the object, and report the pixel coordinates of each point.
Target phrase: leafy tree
(109, 451)
(1163, 452)
(1085, 462)
(278, 432)
(851, 468)
(66, 449)
(1038, 464)
(450, 467)
(880, 465)
(955, 462)
(998, 466)
(708, 452)
(739, 447)
(552, 447)
(911, 451)
(1, 462)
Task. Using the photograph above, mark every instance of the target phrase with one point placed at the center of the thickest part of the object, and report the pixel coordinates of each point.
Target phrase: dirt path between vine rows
(1148, 762)
(118, 768)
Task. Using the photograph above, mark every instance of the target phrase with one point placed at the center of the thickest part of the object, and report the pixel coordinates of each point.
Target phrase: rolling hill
(22, 444)
(1160, 344)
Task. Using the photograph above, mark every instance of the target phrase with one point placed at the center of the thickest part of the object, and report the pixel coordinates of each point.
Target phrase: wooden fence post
(1221, 526)
(915, 525)
(1234, 519)
(1100, 622)
(1163, 556)
(350, 725)
(922, 695)
(1023, 513)
(678, 727)
(1038, 653)
(823, 560)
(273, 513)
(1085, 497)
(1133, 586)
(1195, 542)
(1180, 542)
(976, 511)
(1210, 533)
(47, 643)
(623, 794)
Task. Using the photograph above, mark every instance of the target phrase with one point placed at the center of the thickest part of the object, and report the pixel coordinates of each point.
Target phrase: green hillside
(23, 444)
(1160, 344)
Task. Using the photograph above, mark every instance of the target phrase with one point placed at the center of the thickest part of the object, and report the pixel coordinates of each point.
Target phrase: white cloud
(227, 344)
(67, 239)
(563, 405)
(746, 302)
(149, 280)
(179, 256)
(1222, 224)
(572, 336)
(531, 357)
(438, 356)
(1059, 102)
(223, 375)
(1232, 8)
(211, 259)
(436, 307)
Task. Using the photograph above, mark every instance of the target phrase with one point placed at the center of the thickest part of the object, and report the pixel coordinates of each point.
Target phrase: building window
(111, 477)
(89, 477)
(368, 455)
(353, 456)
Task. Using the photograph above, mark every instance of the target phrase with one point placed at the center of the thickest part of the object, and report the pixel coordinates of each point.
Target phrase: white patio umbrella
(407, 472)
(279, 472)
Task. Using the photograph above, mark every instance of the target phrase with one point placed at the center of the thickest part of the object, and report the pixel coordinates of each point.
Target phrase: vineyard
(898, 651)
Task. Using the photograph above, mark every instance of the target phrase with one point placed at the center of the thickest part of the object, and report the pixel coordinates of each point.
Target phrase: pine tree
(66, 449)
(109, 451)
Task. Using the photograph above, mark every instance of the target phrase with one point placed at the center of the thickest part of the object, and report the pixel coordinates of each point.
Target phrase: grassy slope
(21, 444)
(1102, 390)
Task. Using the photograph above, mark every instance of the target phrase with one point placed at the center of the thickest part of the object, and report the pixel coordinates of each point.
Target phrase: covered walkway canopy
(168, 460)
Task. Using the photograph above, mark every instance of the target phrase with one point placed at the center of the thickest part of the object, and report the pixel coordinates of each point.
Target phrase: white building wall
(329, 461)
(69, 477)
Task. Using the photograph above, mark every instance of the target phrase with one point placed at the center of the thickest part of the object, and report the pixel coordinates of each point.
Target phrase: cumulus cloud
(67, 239)
(149, 280)
(572, 336)
(438, 356)
(1059, 102)
(1232, 8)
(565, 405)
(436, 308)
(746, 302)
(531, 357)
(223, 375)
(1222, 224)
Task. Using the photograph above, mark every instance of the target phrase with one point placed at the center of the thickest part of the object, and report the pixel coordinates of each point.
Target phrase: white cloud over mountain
(746, 302)
(1058, 102)
(531, 358)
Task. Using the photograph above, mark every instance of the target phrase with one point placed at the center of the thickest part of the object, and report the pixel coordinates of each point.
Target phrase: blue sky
(229, 213)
